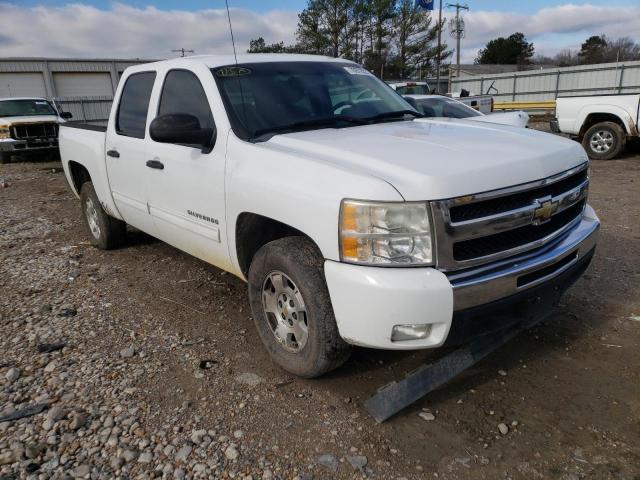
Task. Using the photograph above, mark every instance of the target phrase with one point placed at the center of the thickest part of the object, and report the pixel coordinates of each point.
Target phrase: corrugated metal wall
(91, 108)
(548, 84)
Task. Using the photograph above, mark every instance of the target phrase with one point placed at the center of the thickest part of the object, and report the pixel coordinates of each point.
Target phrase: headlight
(385, 234)
(4, 132)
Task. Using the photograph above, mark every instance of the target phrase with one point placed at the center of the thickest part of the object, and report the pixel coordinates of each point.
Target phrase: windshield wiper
(393, 114)
(266, 133)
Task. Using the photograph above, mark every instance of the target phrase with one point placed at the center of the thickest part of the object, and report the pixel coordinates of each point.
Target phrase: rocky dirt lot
(143, 362)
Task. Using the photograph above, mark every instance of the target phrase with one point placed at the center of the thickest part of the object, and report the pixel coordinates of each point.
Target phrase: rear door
(126, 151)
(186, 194)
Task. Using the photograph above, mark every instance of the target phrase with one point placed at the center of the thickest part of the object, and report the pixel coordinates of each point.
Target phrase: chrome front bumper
(17, 146)
(495, 281)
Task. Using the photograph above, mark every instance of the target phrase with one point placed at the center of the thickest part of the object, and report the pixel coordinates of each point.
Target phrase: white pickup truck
(353, 220)
(603, 123)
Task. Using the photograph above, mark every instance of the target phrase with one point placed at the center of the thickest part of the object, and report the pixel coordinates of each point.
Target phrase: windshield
(282, 97)
(445, 107)
(24, 108)
(414, 90)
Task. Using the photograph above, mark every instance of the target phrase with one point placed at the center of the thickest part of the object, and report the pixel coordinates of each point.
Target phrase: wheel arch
(79, 175)
(593, 118)
(253, 231)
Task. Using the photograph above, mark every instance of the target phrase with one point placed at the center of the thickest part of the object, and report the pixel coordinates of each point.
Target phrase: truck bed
(83, 146)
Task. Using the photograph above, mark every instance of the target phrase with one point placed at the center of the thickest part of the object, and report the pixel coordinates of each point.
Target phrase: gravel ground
(143, 362)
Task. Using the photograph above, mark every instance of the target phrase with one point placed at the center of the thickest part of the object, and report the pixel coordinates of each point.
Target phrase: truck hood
(430, 159)
(29, 119)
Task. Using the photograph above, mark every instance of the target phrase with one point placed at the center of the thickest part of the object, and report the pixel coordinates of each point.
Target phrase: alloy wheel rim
(285, 311)
(92, 218)
(601, 141)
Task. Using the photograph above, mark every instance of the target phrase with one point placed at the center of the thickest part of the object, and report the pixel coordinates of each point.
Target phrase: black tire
(299, 259)
(111, 232)
(611, 132)
(5, 157)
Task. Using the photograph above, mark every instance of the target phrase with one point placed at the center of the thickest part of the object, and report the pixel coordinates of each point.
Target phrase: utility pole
(457, 31)
(438, 60)
(182, 51)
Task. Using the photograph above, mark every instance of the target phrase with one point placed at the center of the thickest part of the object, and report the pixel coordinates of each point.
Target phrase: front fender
(301, 192)
(619, 112)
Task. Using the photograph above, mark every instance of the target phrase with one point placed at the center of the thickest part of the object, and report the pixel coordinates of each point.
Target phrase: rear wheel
(105, 232)
(604, 141)
(292, 308)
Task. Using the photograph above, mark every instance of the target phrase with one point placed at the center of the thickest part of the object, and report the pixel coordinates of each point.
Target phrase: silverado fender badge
(191, 213)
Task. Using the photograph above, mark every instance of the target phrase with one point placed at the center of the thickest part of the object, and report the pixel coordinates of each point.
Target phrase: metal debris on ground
(25, 412)
(51, 347)
(396, 396)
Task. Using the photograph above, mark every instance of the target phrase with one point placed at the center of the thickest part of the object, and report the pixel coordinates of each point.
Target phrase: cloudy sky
(152, 28)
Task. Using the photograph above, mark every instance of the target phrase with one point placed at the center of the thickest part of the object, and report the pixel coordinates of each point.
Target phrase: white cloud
(551, 29)
(78, 30)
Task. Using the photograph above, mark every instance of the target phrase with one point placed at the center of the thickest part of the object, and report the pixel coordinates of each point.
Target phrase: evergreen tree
(326, 27)
(380, 34)
(593, 49)
(389, 37)
(513, 50)
(415, 41)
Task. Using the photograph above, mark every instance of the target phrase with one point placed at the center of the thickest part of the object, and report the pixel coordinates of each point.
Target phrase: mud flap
(396, 396)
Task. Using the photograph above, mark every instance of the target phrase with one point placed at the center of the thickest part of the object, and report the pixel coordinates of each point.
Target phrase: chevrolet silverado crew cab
(603, 123)
(353, 220)
(28, 125)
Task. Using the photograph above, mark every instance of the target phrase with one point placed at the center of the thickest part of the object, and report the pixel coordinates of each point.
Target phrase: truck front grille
(29, 131)
(517, 200)
(487, 227)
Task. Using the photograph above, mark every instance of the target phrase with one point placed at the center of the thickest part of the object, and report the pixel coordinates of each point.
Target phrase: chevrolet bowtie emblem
(545, 210)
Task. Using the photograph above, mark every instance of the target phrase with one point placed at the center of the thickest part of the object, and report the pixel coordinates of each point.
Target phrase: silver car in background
(439, 106)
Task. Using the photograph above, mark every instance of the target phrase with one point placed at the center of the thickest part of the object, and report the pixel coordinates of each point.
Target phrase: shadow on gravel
(136, 238)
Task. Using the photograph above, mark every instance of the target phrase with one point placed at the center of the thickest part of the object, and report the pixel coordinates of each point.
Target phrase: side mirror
(66, 115)
(182, 129)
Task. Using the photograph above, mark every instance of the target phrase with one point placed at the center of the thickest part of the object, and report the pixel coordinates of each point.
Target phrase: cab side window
(131, 120)
(182, 92)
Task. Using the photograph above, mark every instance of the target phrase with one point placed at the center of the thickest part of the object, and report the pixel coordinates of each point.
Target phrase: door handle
(113, 153)
(157, 164)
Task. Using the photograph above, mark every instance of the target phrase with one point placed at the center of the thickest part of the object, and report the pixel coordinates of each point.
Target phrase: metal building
(84, 87)
(551, 83)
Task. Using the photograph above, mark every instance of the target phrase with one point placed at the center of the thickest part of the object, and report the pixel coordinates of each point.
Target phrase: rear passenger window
(183, 93)
(131, 120)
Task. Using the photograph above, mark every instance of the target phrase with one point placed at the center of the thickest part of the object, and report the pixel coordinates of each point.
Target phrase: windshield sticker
(357, 70)
(233, 71)
(42, 103)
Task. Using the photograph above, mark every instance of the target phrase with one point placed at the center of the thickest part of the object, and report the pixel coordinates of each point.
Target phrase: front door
(126, 152)
(186, 191)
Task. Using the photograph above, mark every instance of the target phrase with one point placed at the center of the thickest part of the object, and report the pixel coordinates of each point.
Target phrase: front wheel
(604, 141)
(292, 308)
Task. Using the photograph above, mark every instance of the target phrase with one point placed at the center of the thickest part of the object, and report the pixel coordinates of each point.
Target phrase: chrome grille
(28, 131)
(482, 228)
